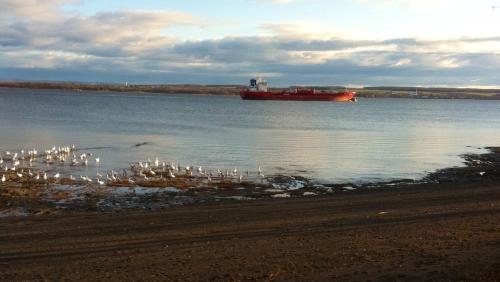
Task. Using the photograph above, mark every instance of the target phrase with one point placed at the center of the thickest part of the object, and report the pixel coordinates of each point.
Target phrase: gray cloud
(136, 46)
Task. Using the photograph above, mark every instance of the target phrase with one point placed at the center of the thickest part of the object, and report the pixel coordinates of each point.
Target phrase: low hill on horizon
(369, 92)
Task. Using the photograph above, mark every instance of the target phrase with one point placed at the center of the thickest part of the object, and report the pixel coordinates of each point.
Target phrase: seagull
(57, 175)
(71, 178)
(44, 176)
(100, 181)
(3, 178)
(97, 161)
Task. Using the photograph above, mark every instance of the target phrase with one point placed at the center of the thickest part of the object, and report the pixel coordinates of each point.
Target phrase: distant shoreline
(234, 90)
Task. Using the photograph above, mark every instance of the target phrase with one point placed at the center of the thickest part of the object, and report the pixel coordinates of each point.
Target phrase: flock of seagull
(23, 166)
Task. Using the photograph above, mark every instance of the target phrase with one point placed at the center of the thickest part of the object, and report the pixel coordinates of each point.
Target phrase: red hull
(298, 96)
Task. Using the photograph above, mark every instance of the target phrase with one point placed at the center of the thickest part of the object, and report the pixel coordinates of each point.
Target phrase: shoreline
(234, 90)
(153, 189)
(444, 231)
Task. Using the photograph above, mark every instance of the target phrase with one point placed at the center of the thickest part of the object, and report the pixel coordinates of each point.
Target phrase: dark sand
(435, 232)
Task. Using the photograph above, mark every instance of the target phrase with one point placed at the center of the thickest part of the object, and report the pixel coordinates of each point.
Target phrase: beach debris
(284, 195)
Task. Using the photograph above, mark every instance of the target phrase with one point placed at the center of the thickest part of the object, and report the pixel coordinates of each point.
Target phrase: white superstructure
(258, 85)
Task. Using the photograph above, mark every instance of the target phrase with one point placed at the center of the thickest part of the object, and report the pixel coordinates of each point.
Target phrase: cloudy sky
(322, 42)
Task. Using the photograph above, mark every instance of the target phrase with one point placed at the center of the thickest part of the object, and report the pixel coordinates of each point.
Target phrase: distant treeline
(370, 92)
(171, 89)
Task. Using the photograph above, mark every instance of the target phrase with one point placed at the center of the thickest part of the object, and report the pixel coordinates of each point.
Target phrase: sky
(435, 43)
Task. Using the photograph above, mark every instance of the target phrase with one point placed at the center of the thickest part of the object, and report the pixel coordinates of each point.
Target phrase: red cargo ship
(258, 91)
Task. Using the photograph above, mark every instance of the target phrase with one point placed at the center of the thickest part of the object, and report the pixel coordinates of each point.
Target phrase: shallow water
(374, 139)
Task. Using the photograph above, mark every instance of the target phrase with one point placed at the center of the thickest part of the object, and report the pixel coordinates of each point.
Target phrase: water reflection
(373, 139)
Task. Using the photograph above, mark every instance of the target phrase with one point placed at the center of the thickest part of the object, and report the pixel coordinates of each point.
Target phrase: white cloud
(138, 44)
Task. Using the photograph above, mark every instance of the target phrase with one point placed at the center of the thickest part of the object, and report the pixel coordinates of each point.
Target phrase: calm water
(369, 140)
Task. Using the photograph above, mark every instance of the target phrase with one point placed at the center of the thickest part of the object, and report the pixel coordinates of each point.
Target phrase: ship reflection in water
(334, 142)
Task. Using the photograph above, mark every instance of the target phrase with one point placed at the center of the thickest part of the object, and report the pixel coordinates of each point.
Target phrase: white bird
(171, 174)
(130, 180)
(44, 176)
(20, 175)
(156, 162)
(71, 178)
(3, 178)
(97, 161)
(1, 160)
(100, 181)
(57, 175)
(37, 177)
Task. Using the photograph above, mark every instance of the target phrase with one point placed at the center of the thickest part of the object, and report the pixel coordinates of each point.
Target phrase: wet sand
(436, 232)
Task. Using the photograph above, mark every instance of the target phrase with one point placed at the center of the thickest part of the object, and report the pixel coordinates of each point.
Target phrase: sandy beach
(435, 232)
(440, 228)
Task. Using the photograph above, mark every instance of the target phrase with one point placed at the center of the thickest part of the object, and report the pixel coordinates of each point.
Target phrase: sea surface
(372, 140)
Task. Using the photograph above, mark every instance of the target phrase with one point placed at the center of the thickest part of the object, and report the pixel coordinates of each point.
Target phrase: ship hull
(290, 96)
